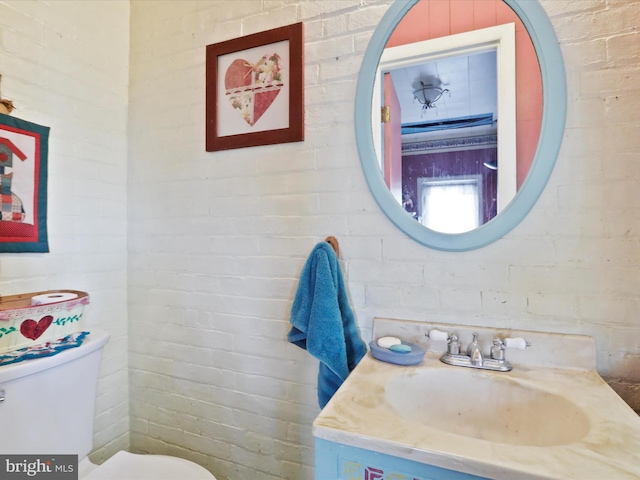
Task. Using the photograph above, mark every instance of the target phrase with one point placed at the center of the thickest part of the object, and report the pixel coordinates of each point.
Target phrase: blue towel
(323, 323)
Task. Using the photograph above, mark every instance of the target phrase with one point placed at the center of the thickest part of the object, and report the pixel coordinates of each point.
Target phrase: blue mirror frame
(554, 110)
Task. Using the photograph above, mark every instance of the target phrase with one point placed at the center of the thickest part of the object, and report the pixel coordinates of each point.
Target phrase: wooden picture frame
(255, 89)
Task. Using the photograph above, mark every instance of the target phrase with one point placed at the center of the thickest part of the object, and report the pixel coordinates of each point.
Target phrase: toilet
(47, 407)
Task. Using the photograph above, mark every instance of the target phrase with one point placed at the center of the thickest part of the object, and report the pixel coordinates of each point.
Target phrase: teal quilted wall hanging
(24, 147)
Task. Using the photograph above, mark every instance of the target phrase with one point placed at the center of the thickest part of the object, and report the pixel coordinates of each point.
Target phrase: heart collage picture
(252, 88)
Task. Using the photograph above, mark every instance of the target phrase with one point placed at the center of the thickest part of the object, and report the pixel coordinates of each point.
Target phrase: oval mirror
(471, 143)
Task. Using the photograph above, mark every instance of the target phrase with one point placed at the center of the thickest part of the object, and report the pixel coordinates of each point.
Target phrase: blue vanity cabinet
(336, 461)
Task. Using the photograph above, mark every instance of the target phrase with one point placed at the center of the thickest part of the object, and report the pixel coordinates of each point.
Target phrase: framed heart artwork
(255, 91)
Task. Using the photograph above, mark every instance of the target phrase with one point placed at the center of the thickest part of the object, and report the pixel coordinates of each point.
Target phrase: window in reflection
(451, 205)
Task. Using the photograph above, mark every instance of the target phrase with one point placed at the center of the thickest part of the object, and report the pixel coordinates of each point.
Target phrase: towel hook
(333, 241)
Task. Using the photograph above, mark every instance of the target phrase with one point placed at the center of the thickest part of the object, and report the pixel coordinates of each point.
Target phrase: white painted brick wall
(217, 240)
(65, 65)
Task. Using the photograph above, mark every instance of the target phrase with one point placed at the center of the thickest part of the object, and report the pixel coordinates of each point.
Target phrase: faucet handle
(437, 335)
(500, 345)
(453, 347)
(518, 343)
(497, 349)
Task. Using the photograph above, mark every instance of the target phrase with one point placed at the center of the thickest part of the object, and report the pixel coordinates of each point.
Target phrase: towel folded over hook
(323, 322)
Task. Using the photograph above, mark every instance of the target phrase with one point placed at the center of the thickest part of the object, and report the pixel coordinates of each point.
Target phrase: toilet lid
(129, 466)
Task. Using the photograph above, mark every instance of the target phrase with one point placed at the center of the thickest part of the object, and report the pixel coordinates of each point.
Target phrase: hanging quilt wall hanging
(23, 185)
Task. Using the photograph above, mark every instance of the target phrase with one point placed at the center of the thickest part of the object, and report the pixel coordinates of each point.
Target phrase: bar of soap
(400, 348)
(388, 342)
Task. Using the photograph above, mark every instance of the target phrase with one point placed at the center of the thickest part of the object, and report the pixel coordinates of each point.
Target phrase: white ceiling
(471, 80)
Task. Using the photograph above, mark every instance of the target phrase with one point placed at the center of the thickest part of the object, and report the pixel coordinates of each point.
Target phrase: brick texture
(218, 239)
(199, 307)
(65, 65)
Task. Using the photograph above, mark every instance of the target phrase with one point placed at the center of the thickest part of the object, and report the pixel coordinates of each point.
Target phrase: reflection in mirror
(417, 160)
(462, 133)
(454, 126)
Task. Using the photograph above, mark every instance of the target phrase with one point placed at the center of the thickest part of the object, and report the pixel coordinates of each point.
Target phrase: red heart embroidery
(251, 89)
(32, 329)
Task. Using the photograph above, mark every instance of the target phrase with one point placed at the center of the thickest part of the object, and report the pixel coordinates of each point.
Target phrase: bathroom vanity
(360, 464)
(551, 416)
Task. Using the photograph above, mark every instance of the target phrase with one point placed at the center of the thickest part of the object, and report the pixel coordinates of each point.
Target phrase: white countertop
(359, 415)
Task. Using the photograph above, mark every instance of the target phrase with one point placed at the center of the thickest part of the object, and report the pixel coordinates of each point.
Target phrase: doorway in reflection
(449, 152)
(453, 125)
(457, 88)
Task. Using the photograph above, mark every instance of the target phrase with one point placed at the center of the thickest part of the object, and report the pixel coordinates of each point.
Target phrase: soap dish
(413, 357)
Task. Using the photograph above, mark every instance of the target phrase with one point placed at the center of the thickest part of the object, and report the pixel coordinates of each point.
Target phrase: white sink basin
(551, 417)
(487, 406)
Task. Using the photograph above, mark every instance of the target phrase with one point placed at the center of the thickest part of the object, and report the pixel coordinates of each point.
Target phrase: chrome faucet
(475, 358)
(474, 353)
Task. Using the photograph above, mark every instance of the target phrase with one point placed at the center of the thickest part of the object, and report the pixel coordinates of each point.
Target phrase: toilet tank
(49, 402)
